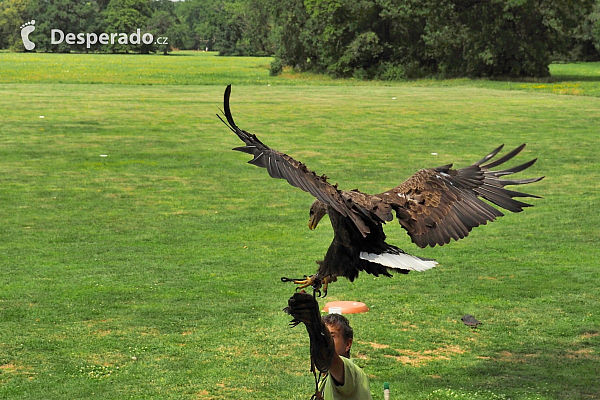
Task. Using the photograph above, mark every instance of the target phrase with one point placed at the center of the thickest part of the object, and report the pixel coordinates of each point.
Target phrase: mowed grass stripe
(207, 68)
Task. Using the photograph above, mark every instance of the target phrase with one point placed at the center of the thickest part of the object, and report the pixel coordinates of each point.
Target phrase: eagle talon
(313, 281)
(318, 284)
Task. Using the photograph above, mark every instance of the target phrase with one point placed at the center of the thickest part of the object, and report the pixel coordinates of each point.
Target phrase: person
(331, 340)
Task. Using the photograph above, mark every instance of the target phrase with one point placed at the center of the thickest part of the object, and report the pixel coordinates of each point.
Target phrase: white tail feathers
(399, 261)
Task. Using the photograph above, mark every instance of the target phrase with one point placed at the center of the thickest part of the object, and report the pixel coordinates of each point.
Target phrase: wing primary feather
(498, 199)
(514, 193)
(246, 137)
(504, 158)
(488, 212)
(227, 109)
(514, 170)
(490, 155)
(258, 160)
(508, 182)
(505, 202)
(226, 124)
(246, 149)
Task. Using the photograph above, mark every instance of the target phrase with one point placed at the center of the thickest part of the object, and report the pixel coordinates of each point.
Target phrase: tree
(290, 35)
(411, 38)
(247, 28)
(165, 24)
(13, 14)
(69, 16)
(205, 22)
(126, 16)
(594, 25)
(233, 27)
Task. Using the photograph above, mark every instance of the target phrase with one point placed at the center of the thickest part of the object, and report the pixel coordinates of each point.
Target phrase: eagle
(434, 206)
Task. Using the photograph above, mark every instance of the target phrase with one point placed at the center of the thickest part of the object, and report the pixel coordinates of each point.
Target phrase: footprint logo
(26, 29)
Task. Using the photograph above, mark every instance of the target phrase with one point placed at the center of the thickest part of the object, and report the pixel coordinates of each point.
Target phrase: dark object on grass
(470, 320)
(434, 206)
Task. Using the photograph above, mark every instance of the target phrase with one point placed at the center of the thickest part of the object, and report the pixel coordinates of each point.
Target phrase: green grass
(201, 68)
(153, 272)
(183, 68)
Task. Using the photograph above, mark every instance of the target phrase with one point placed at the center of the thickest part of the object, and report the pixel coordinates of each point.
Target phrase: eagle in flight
(434, 206)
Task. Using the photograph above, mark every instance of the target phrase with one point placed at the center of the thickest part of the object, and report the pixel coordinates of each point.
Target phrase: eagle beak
(312, 223)
(317, 212)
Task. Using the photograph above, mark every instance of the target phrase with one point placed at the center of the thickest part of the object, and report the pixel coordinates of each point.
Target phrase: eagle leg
(314, 281)
(305, 282)
(326, 281)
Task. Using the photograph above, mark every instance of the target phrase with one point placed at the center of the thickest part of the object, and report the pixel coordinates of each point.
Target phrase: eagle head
(318, 209)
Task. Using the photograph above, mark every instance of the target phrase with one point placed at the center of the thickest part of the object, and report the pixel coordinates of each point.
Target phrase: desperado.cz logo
(26, 29)
(57, 36)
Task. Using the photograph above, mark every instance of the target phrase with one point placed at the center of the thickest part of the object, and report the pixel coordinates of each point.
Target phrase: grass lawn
(200, 68)
(141, 257)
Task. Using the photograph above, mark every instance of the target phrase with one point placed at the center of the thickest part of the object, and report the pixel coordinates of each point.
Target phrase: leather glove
(305, 309)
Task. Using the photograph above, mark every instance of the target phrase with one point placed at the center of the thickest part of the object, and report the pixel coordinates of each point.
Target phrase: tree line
(157, 17)
(365, 39)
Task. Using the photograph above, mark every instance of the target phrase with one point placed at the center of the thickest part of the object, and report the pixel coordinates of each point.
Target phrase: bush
(276, 67)
(389, 71)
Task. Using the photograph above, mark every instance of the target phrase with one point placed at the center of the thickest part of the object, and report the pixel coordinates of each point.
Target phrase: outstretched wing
(439, 204)
(282, 166)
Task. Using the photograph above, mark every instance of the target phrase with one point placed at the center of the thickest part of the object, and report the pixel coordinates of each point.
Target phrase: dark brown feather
(439, 204)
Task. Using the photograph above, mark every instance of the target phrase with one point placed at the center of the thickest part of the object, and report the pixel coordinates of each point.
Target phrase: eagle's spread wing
(439, 204)
(282, 166)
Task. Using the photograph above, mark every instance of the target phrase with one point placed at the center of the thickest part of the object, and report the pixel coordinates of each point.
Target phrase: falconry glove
(305, 309)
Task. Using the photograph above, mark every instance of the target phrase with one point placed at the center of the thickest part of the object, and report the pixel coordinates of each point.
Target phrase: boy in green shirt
(330, 342)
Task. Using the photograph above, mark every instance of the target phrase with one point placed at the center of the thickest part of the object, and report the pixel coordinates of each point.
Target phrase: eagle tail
(399, 260)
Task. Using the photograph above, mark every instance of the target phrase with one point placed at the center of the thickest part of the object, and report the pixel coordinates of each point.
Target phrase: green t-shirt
(355, 387)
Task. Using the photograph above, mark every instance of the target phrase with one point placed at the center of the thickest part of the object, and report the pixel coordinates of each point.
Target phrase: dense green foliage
(157, 17)
(141, 257)
(383, 39)
(390, 39)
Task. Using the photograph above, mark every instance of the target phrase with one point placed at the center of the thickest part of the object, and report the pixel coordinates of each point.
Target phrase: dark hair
(340, 322)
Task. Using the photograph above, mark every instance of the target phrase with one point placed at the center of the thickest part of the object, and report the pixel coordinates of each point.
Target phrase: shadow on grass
(547, 79)
(571, 374)
(575, 78)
